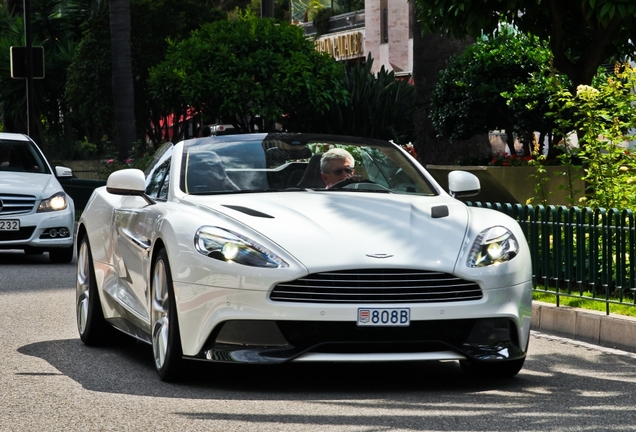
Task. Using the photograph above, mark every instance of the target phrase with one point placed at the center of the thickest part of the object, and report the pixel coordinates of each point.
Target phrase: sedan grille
(16, 204)
(377, 286)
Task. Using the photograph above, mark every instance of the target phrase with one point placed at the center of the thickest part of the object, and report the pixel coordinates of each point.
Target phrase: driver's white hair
(333, 155)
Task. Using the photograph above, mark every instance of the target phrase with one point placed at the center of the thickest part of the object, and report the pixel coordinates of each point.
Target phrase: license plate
(10, 225)
(384, 317)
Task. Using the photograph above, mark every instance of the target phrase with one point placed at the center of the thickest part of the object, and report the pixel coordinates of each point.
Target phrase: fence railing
(579, 252)
(89, 174)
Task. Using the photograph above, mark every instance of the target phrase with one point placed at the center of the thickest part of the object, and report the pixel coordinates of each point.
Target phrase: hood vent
(248, 211)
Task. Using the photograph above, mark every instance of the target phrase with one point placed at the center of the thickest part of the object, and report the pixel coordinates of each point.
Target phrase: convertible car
(232, 249)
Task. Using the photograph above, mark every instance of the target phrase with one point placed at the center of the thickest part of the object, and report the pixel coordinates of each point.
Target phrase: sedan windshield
(21, 156)
(292, 162)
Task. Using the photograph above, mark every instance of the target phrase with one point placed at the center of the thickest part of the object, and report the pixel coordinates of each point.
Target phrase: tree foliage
(247, 69)
(582, 34)
(499, 83)
(605, 116)
(88, 87)
(55, 26)
(154, 23)
(377, 106)
(281, 9)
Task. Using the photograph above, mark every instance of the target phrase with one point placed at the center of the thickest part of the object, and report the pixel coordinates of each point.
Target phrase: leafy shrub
(605, 118)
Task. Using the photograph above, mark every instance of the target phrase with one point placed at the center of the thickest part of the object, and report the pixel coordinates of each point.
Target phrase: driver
(336, 165)
(5, 157)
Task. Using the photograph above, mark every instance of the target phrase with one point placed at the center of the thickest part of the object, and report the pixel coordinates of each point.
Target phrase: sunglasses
(340, 171)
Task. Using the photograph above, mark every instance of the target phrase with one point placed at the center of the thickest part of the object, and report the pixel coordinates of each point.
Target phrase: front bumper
(488, 339)
(35, 231)
(230, 325)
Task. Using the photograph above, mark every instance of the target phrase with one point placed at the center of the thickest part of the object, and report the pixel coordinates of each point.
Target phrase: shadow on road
(129, 369)
(19, 257)
(554, 391)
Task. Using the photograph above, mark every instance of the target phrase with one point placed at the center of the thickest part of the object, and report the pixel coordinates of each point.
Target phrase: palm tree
(123, 89)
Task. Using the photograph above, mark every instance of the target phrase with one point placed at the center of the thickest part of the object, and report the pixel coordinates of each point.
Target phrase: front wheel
(93, 328)
(33, 251)
(166, 342)
(61, 255)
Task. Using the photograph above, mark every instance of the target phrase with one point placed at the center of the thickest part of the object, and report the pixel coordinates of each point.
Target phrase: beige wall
(372, 31)
(395, 55)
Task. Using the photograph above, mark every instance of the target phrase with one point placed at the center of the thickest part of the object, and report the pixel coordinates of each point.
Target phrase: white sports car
(231, 249)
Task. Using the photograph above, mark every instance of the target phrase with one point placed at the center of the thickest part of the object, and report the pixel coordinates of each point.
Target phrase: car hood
(327, 230)
(38, 185)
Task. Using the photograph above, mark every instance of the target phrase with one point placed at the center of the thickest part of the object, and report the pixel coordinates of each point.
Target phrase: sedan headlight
(226, 245)
(493, 246)
(55, 203)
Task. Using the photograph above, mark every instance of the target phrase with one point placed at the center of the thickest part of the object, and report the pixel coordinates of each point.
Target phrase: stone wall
(514, 183)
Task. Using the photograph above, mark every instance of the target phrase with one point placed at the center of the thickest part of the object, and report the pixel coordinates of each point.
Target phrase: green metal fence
(579, 252)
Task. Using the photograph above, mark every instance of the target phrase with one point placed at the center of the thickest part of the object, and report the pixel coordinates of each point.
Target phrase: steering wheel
(349, 180)
(355, 180)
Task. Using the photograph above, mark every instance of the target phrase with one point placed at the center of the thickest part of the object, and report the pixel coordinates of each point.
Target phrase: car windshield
(291, 162)
(21, 156)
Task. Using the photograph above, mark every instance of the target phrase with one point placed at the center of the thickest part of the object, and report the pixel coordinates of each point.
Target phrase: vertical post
(29, 65)
(267, 8)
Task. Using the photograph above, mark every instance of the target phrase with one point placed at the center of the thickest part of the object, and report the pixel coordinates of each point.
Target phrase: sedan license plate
(381, 317)
(10, 225)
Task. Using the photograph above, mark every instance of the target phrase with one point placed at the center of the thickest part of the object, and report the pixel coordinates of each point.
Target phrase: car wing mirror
(61, 171)
(129, 181)
(463, 184)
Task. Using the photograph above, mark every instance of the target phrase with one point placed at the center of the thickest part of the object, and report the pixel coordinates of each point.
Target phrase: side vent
(439, 211)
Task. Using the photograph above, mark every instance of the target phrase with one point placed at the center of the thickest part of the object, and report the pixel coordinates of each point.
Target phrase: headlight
(493, 246)
(55, 203)
(226, 245)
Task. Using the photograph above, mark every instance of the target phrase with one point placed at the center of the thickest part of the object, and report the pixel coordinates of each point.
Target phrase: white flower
(586, 92)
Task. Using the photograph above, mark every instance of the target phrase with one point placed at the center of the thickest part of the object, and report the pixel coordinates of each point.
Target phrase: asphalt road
(50, 381)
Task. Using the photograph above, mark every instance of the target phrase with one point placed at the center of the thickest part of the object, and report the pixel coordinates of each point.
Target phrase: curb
(612, 331)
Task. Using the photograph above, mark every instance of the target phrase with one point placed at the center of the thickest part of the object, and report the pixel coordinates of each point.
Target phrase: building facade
(383, 29)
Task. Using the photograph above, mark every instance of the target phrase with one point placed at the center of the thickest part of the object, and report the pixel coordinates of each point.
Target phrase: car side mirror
(63, 172)
(129, 181)
(463, 184)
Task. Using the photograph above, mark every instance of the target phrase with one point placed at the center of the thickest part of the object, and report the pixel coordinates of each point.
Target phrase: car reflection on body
(230, 249)
(36, 215)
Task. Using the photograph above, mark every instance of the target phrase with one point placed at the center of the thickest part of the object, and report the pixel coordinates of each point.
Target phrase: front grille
(16, 204)
(377, 286)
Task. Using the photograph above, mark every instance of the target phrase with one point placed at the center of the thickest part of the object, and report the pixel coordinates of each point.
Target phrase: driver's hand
(355, 178)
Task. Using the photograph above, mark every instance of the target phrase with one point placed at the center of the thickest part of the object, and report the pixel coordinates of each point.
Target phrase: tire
(93, 328)
(33, 251)
(166, 341)
(61, 255)
(498, 369)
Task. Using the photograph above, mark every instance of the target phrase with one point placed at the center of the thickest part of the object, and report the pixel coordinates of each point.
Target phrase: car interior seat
(311, 178)
(206, 173)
